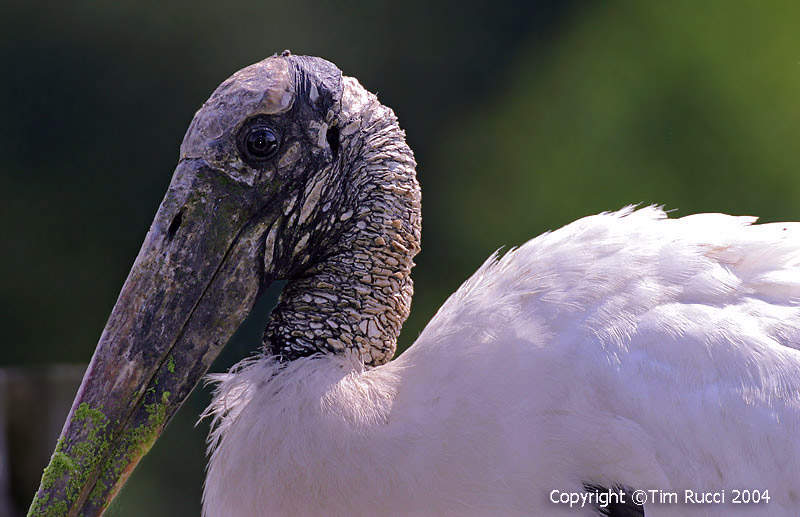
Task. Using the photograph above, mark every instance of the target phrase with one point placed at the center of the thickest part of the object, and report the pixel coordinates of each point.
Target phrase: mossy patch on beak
(85, 458)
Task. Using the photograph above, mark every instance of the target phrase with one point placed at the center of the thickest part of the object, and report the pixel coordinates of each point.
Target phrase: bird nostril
(174, 225)
(333, 140)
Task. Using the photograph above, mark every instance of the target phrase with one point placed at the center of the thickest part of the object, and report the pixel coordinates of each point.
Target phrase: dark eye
(259, 143)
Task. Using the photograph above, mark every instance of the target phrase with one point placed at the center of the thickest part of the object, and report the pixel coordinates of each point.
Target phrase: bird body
(623, 349)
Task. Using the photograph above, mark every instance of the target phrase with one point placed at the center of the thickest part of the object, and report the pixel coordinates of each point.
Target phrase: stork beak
(194, 281)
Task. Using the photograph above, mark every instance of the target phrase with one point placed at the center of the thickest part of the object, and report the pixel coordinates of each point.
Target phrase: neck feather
(358, 296)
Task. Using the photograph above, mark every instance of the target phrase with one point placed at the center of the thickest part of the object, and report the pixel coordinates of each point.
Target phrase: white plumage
(625, 348)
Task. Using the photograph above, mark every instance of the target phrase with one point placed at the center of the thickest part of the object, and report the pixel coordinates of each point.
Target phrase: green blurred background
(523, 115)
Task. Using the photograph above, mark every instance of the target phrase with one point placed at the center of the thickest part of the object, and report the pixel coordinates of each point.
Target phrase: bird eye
(259, 143)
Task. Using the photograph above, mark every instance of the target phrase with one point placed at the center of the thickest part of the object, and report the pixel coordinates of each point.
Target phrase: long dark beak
(194, 281)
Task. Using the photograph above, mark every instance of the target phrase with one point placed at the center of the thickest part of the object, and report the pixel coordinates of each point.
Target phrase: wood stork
(623, 350)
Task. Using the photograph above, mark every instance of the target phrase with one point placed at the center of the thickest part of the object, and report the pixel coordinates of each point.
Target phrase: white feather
(625, 348)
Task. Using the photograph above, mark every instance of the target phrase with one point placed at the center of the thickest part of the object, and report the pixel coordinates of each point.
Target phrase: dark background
(523, 115)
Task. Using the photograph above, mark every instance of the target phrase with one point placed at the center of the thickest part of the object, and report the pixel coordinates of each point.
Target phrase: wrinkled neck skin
(357, 294)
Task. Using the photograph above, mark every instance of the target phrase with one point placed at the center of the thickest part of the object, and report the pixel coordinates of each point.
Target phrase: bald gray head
(326, 143)
(288, 171)
(348, 227)
(334, 160)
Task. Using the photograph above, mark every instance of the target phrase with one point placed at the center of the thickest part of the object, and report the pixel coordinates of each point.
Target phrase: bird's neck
(357, 298)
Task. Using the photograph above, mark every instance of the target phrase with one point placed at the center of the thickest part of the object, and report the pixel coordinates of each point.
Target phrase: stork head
(278, 172)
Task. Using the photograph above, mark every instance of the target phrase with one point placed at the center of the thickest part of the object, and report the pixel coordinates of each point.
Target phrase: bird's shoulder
(612, 273)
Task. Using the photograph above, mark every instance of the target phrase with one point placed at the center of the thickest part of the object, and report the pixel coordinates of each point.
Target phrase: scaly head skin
(288, 171)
